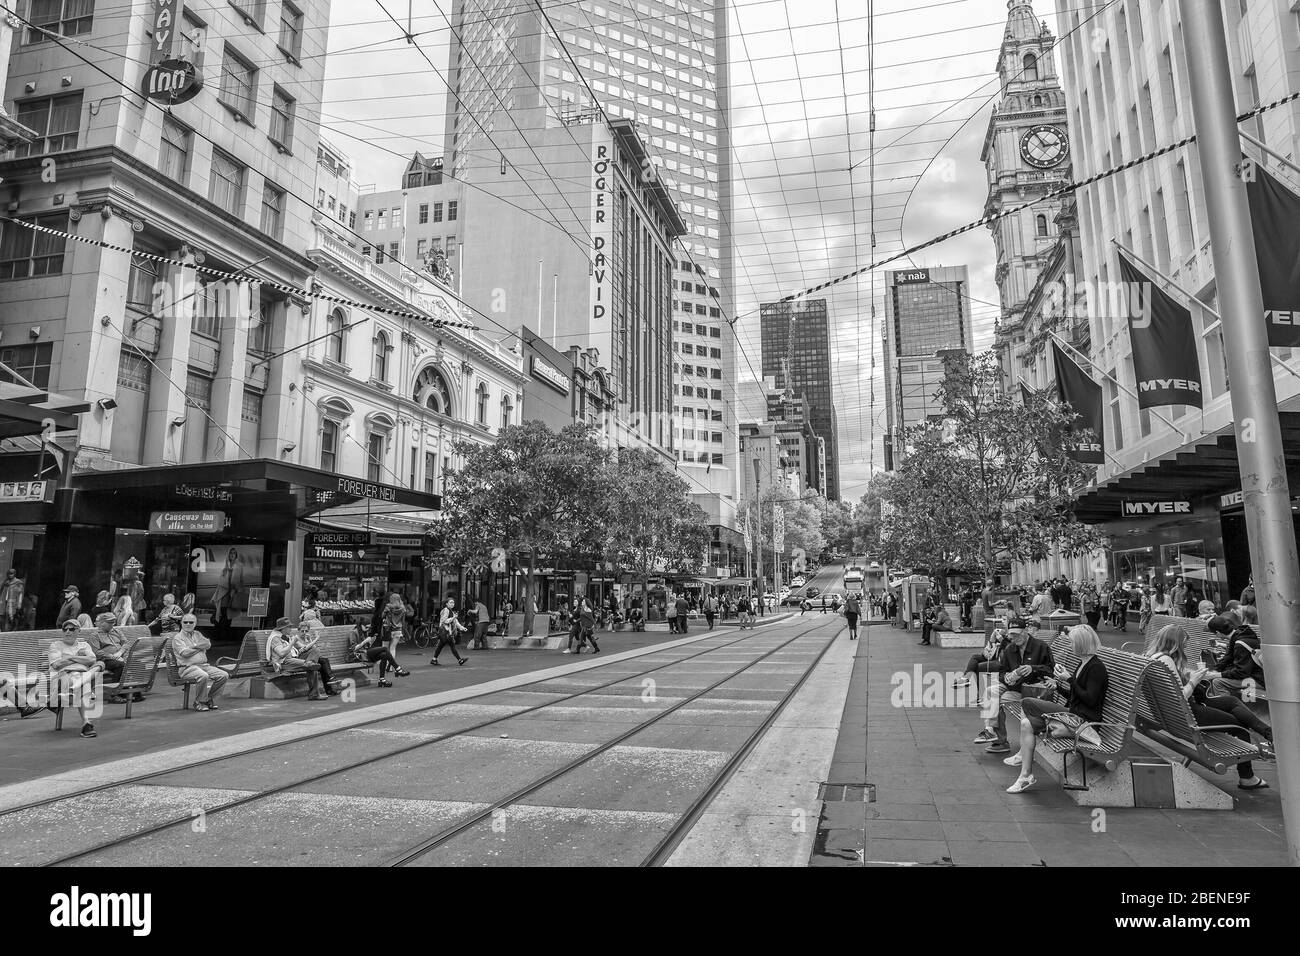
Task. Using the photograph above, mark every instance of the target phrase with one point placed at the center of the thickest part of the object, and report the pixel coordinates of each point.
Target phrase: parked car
(799, 581)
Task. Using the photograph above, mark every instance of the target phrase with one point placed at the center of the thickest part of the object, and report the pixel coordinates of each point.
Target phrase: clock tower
(1027, 154)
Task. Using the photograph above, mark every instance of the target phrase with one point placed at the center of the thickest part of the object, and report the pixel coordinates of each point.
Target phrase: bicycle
(421, 633)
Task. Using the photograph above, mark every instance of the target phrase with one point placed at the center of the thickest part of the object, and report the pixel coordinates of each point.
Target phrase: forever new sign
(1148, 509)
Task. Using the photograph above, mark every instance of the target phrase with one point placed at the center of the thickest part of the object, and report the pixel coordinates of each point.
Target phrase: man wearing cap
(283, 649)
(191, 650)
(71, 663)
(1025, 660)
(71, 605)
(112, 647)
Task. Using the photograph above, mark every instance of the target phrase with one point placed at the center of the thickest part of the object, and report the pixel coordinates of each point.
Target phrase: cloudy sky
(799, 126)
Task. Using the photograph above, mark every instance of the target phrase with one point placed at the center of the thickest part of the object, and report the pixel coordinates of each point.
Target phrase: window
(329, 445)
(254, 10)
(1031, 67)
(261, 335)
(291, 30)
(1040, 226)
(506, 411)
(250, 417)
(32, 362)
(25, 252)
(374, 457)
(198, 409)
(701, 330)
(716, 394)
(715, 333)
(379, 255)
(688, 390)
(334, 331)
(716, 438)
(717, 458)
(451, 211)
(282, 112)
(421, 247)
(174, 156)
(365, 252)
(227, 186)
(393, 252)
(432, 392)
(132, 407)
(272, 211)
(238, 84)
(482, 404)
(430, 472)
(396, 221)
(367, 221)
(437, 212)
(699, 309)
(56, 120)
(71, 18)
(379, 367)
(424, 213)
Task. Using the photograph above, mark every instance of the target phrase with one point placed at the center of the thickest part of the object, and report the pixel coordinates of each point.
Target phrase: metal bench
(1199, 640)
(334, 645)
(1126, 674)
(1165, 716)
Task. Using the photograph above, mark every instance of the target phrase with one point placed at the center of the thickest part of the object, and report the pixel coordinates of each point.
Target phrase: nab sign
(1147, 509)
(172, 81)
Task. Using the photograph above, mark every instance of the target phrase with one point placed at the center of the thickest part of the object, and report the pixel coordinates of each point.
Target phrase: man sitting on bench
(284, 648)
(1237, 668)
(1025, 663)
(191, 650)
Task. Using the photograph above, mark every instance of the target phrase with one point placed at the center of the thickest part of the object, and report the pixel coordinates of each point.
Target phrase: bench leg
(58, 719)
(130, 696)
(185, 697)
(1083, 771)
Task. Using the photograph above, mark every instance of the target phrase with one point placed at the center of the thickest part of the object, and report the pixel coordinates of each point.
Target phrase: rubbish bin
(1059, 620)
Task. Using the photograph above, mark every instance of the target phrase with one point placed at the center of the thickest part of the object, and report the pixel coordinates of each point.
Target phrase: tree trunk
(529, 590)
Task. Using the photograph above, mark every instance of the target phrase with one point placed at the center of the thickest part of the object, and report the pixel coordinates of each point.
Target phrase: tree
(837, 523)
(653, 523)
(993, 479)
(532, 493)
(803, 520)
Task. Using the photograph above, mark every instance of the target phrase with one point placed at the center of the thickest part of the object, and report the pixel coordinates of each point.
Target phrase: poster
(224, 575)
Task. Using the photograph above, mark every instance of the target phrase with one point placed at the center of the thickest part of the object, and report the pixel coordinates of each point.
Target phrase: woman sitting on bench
(1209, 711)
(368, 647)
(1085, 692)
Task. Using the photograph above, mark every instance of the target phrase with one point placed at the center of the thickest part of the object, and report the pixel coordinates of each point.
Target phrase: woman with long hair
(1209, 711)
(124, 611)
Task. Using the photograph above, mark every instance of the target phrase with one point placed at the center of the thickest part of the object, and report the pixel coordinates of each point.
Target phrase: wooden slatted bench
(1165, 716)
(1199, 640)
(334, 645)
(140, 665)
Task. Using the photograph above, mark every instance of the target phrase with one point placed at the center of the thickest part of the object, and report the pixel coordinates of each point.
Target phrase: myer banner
(1274, 213)
(1080, 392)
(1164, 345)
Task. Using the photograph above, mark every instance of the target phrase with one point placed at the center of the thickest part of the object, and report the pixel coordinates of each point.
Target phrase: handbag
(1066, 724)
(1037, 691)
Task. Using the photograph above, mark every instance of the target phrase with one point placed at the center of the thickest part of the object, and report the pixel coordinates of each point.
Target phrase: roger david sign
(602, 156)
(172, 81)
(1150, 509)
(187, 522)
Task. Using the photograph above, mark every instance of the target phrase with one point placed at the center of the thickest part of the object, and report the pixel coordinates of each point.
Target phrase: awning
(28, 410)
(1207, 466)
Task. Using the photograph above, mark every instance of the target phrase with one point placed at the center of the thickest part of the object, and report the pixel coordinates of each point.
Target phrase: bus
(853, 578)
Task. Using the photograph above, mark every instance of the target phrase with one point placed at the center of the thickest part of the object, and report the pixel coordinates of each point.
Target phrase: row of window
(688, 434)
(337, 209)
(701, 371)
(703, 457)
(690, 391)
(699, 308)
(703, 413)
(687, 349)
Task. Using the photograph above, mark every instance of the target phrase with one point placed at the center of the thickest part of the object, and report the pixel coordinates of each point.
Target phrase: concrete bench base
(1151, 782)
(959, 639)
(283, 688)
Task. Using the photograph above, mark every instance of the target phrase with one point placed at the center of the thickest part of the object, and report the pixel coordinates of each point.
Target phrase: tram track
(306, 738)
(388, 755)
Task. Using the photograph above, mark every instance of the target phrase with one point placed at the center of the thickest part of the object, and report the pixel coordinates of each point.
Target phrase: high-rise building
(522, 85)
(927, 311)
(796, 343)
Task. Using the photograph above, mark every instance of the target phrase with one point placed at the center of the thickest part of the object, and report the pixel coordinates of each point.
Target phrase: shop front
(230, 534)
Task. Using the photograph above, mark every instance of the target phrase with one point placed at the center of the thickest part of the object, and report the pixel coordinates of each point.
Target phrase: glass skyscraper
(798, 333)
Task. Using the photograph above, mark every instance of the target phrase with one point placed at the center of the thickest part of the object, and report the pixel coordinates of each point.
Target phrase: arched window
(506, 411)
(334, 329)
(482, 394)
(379, 368)
(1031, 67)
(334, 415)
(432, 392)
(1041, 225)
(1038, 100)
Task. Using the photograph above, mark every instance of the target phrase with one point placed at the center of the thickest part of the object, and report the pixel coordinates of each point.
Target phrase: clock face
(1044, 146)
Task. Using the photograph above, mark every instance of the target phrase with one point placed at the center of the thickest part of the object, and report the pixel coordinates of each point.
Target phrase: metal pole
(1260, 454)
(1265, 148)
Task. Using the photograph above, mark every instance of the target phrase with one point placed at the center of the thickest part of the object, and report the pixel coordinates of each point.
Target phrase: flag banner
(1274, 212)
(778, 528)
(749, 535)
(1026, 394)
(1164, 344)
(1080, 392)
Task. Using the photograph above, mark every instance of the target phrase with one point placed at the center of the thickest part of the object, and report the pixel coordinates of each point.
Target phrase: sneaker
(1012, 761)
(28, 710)
(1259, 784)
(88, 730)
(961, 682)
(998, 748)
(567, 651)
(385, 682)
(985, 736)
(1022, 784)
(200, 706)
(212, 705)
(1266, 750)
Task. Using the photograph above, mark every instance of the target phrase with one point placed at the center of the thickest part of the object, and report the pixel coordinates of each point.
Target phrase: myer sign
(1146, 509)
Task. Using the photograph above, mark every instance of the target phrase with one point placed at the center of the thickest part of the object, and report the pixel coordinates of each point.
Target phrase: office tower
(516, 121)
(926, 311)
(796, 341)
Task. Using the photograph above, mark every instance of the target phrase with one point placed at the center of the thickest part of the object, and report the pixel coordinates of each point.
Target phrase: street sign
(187, 522)
(258, 601)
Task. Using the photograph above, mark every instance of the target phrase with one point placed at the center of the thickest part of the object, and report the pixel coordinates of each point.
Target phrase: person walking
(710, 610)
(392, 624)
(11, 600)
(587, 626)
(71, 605)
(851, 609)
(448, 627)
(683, 612)
(479, 641)
(191, 648)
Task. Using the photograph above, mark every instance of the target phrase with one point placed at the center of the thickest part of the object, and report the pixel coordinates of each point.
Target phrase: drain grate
(847, 793)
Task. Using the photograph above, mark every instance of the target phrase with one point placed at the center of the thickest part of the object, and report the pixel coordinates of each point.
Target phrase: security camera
(177, 422)
(107, 404)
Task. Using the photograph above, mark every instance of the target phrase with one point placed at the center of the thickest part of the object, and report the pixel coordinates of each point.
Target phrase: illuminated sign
(187, 522)
(366, 489)
(172, 81)
(550, 375)
(205, 492)
(344, 538)
(1146, 509)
